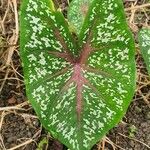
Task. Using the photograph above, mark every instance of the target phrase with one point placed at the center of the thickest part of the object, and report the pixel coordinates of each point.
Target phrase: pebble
(148, 115)
(29, 134)
(148, 139)
(144, 124)
(12, 100)
(138, 109)
(129, 149)
(36, 123)
(132, 143)
(11, 139)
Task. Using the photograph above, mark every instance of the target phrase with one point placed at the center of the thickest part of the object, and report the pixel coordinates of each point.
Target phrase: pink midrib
(78, 78)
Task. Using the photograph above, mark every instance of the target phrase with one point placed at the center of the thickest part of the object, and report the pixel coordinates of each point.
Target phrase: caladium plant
(80, 87)
(144, 42)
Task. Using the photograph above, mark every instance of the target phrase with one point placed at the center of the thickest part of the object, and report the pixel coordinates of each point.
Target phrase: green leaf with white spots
(77, 12)
(79, 88)
(144, 42)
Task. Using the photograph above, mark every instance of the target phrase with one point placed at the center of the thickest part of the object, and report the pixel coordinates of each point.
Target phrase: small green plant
(42, 144)
(144, 42)
(132, 131)
(80, 87)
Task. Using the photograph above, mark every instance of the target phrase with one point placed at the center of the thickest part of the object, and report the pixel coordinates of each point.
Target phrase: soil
(20, 128)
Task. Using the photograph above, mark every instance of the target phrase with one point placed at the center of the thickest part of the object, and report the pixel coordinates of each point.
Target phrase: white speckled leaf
(144, 42)
(77, 12)
(78, 99)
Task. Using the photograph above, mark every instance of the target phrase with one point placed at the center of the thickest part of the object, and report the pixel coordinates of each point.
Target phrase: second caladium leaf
(144, 42)
(77, 12)
(79, 92)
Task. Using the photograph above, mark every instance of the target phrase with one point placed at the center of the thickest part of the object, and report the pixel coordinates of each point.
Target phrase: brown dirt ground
(20, 128)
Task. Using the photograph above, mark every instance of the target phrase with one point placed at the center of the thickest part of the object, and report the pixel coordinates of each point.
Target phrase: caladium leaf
(144, 42)
(79, 93)
(77, 12)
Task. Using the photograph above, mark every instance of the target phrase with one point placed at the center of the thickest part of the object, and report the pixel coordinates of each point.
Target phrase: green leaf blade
(144, 42)
(80, 93)
(40, 28)
(46, 51)
(108, 56)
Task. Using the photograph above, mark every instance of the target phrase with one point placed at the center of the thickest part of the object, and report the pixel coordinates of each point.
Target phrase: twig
(113, 144)
(12, 79)
(3, 83)
(135, 140)
(2, 145)
(103, 145)
(2, 118)
(28, 141)
(144, 98)
(14, 38)
(24, 115)
(3, 20)
(132, 14)
(17, 107)
(23, 144)
(137, 7)
(110, 142)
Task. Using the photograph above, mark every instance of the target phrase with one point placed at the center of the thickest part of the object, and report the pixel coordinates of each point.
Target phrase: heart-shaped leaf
(79, 90)
(144, 42)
